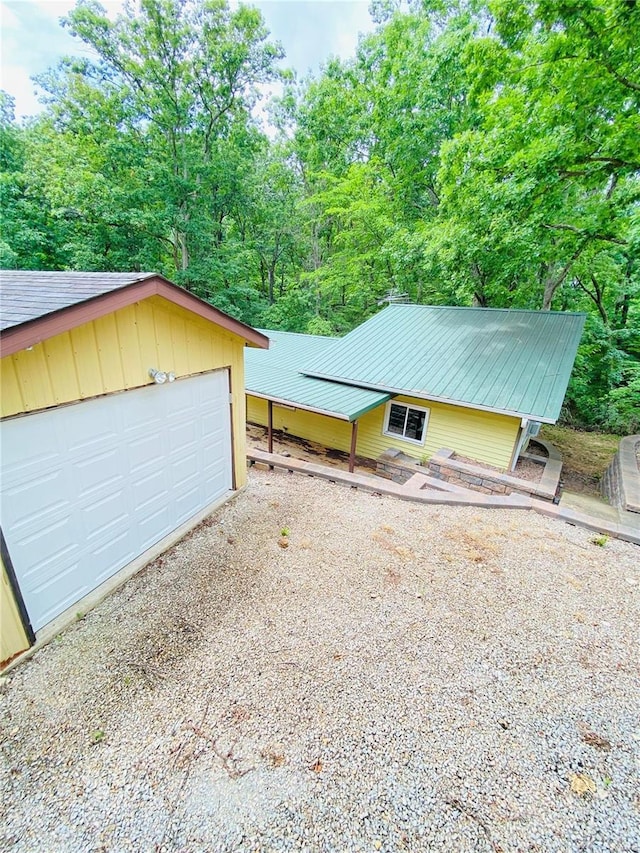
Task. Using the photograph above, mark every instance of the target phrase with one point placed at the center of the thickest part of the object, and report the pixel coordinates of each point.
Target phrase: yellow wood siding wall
(332, 432)
(12, 636)
(115, 353)
(485, 436)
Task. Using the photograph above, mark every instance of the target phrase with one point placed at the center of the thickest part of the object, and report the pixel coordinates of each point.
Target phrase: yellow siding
(331, 432)
(485, 436)
(12, 635)
(115, 352)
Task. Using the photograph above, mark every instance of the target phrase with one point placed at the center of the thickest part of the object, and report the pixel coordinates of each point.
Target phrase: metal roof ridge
(538, 311)
(299, 334)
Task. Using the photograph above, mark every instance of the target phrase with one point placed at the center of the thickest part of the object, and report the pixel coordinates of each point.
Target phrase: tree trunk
(272, 284)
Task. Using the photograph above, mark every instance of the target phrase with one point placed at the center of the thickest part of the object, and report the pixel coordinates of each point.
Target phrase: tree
(162, 122)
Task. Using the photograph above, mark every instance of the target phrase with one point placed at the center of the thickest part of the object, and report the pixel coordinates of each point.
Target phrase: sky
(32, 39)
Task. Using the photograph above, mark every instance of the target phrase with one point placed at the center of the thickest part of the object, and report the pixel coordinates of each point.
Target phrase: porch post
(354, 439)
(270, 426)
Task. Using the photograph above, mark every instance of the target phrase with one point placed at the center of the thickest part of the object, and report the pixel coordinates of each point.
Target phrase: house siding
(13, 638)
(115, 352)
(331, 432)
(484, 436)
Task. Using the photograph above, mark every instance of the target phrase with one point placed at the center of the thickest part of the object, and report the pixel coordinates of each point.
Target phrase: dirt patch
(302, 448)
(524, 470)
(585, 456)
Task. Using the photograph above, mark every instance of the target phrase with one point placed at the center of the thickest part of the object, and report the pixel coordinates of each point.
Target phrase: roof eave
(33, 332)
(281, 401)
(422, 395)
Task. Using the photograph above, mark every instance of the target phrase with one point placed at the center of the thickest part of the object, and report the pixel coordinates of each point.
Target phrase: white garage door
(87, 488)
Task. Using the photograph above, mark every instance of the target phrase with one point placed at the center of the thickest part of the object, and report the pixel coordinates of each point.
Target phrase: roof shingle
(29, 295)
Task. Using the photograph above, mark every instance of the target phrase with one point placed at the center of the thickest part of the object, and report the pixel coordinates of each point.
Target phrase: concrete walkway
(421, 489)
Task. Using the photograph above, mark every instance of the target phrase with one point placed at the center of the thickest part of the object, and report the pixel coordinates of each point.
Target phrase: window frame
(408, 407)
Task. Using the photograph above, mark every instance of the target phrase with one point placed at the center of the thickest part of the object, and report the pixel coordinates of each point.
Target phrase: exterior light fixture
(160, 376)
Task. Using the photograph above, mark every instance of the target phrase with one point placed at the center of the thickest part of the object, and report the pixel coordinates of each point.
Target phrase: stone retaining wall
(479, 479)
(394, 465)
(621, 481)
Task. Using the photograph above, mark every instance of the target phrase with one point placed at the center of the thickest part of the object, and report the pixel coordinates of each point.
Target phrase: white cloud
(33, 40)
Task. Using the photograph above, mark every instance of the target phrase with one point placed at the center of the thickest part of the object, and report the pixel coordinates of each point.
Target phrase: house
(417, 378)
(123, 424)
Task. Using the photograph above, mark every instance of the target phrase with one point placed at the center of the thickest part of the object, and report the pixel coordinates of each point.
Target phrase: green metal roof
(275, 375)
(511, 361)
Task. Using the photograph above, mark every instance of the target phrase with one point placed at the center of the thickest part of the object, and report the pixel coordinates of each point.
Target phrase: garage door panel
(21, 475)
(211, 425)
(152, 487)
(119, 550)
(187, 485)
(81, 432)
(141, 414)
(210, 454)
(101, 481)
(25, 507)
(101, 518)
(184, 434)
(154, 526)
(61, 592)
(144, 452)
(186, 503)
(61, 563)
(99, 473)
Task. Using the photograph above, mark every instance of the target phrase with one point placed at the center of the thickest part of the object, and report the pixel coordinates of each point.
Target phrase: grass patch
(585, 455)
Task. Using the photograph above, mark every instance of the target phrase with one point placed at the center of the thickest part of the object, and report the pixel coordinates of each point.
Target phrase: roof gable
(35, 306)
(511, 361)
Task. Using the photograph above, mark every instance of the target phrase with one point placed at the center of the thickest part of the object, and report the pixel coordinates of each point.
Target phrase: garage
(87, 488)
(123, 417)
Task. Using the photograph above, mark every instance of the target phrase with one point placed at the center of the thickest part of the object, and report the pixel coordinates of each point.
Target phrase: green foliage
(623, 402)
(471, 152)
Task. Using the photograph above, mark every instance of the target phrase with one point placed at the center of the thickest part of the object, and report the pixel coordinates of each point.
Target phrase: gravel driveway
(400, 677)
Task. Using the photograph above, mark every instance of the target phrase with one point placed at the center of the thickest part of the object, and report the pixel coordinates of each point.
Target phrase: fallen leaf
(316, 766)
(274, 753)
(596, 740)
(582, 783)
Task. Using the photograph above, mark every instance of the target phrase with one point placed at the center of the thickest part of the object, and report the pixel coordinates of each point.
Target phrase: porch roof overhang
(275, 376)
(322, 398)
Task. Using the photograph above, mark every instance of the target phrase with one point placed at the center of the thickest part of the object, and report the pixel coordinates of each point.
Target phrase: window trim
(385, 423)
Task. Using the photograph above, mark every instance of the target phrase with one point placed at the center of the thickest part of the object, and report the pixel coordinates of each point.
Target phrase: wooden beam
(270, 426)
(352, 452)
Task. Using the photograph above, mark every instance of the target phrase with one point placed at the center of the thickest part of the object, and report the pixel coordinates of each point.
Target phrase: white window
(407, 422)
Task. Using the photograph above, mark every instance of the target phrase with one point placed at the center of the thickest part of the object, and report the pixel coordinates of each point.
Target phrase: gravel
(387, 676)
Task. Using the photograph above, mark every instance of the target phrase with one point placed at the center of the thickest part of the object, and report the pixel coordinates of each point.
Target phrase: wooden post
(270, 426)
(352, 453)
